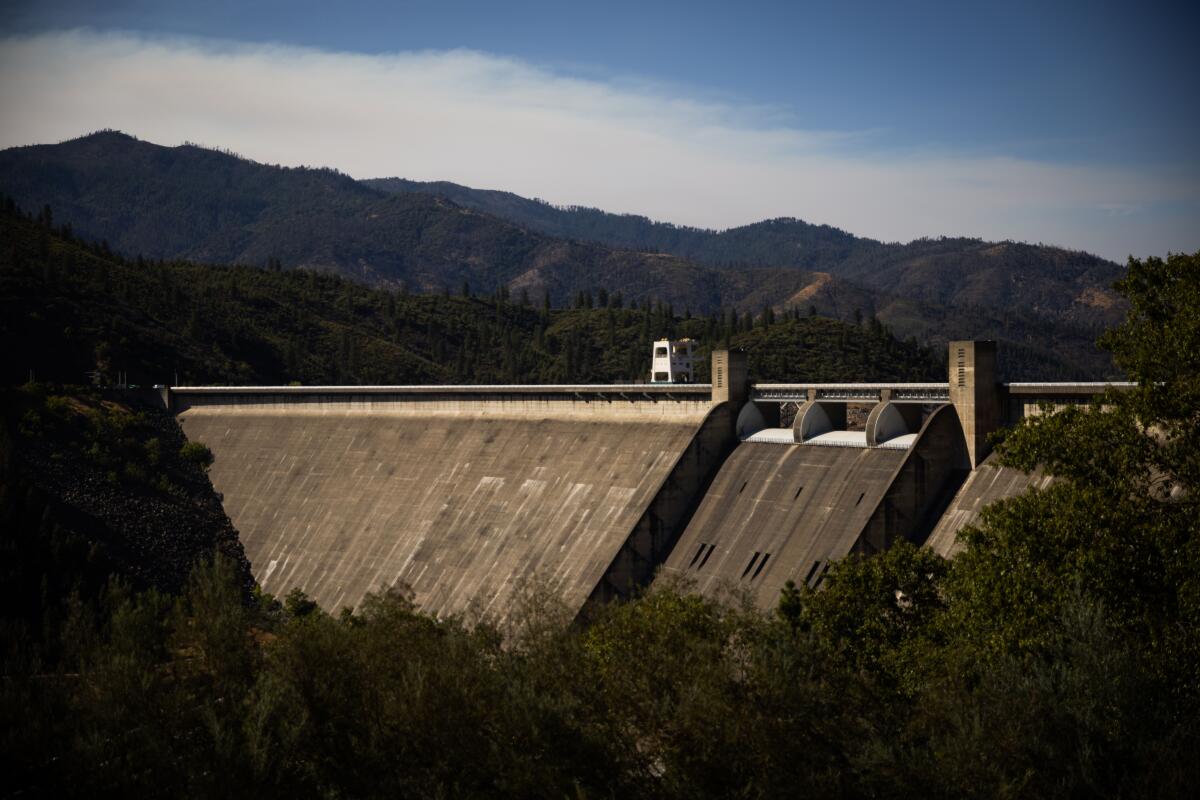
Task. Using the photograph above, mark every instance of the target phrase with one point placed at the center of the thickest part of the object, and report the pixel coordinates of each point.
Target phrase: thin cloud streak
(494, 122)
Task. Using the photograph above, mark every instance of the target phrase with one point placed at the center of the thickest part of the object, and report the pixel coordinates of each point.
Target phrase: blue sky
(1071, 123)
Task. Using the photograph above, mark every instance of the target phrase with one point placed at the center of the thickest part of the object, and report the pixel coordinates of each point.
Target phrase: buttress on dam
(465, 494)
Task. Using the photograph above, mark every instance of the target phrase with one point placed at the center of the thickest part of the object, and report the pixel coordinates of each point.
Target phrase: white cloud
(494, 122)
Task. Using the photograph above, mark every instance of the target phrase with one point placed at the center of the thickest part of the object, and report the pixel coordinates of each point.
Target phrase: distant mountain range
(1061, 285)
(1046, 304)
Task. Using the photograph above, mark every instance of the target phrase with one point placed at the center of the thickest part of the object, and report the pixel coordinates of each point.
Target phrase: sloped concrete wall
(797, 505)
(783, 512)
(987, 484)
(657, 532)
(459, 499)
(922, 487)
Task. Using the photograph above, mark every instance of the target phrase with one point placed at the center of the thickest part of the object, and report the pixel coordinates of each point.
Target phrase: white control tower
(672, 361)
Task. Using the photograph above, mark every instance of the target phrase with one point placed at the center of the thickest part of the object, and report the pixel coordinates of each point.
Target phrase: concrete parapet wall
(459, 499)
(520, 406)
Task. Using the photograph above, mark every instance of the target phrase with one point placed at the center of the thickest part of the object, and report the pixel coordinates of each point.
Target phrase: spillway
(778, 512)
(458, 499)
(773, 509)
(989, 483)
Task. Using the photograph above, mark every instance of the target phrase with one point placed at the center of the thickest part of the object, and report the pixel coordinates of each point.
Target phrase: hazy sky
(1076, 125)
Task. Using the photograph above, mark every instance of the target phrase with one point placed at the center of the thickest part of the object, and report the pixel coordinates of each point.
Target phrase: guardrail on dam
(462, 493)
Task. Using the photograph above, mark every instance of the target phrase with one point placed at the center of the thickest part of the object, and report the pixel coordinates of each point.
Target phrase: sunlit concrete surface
(775, 514)
(839, 439)
(458, 499)
(790, 506)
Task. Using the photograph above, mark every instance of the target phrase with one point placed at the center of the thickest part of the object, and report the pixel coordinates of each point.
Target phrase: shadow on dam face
(458, 500)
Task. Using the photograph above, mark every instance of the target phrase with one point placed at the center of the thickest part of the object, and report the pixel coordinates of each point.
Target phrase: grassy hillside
(79, 310)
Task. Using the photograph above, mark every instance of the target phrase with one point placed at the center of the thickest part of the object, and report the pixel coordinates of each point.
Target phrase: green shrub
(197, 453)
(153, 448)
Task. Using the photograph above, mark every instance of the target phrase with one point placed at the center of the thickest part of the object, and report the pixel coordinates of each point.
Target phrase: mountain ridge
(792, 242)
(212, 206)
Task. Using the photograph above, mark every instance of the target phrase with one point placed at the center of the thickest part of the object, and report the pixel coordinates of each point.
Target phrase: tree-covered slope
(199, 204)
(79, 310)
(936, 289)
(97, 485)
(1052, 282)
(779, 242)
(203, 205)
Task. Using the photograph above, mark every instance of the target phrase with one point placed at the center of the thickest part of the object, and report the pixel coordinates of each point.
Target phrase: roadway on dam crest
(458, 500)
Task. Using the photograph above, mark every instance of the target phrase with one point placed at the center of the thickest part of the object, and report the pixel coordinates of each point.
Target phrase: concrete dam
(464, 494)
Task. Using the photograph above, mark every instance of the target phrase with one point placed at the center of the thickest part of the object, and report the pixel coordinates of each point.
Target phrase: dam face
(460, 498)
(463, 494)
(775, 508)
(780, 512)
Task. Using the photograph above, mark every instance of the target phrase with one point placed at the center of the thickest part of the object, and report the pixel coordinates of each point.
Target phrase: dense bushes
(197, 453)
(670, 695)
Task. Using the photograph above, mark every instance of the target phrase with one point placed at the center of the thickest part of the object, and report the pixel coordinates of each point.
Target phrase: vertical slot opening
(761, 564)
(750, 566)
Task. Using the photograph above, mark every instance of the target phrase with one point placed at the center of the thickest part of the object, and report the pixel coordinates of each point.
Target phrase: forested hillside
(188, 202)
(97, 484)
(204, 205)
(79, 310)
(1057, 284)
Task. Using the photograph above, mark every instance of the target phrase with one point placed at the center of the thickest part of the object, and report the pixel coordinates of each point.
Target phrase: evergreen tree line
(84, 313)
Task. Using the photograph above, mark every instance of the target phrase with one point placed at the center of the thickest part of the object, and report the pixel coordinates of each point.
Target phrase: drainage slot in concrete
(704, 560)
(761, 564)
(797, 495)
(816, 565)
(696, 557)
(750, 566)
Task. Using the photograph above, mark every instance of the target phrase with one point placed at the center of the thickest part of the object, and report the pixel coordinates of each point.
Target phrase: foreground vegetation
(1055, 657)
